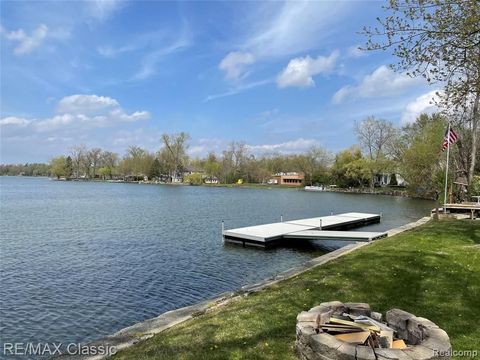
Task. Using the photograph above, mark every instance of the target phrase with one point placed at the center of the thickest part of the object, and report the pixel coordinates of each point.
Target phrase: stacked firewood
(361, 330)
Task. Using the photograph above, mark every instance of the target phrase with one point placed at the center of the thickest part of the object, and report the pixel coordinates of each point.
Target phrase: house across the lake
(289, 178)
(389, 179)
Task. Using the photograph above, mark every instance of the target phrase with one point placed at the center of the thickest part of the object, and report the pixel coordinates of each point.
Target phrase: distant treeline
(385, 156)
(35, 169)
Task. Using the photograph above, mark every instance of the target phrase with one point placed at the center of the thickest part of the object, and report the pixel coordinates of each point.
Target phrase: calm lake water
(82, 260)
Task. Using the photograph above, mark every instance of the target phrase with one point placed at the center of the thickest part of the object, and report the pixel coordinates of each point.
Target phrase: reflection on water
(81, 260)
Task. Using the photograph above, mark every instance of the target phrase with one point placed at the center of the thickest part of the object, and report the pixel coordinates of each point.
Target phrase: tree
(234, 161)
(108, 163)
(174, 152)
(57, 166)
(193, 179)
(211, 166)
(68, 167)
(440, 41)
(137, 162)
(78, 154)
(314, 162)
(420, 159)
(350, 168)
(376, 137)
(93, 157)
(155, 169)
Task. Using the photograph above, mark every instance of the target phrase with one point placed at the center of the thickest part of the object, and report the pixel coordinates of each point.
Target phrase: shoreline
(141, 331)
(387, 191)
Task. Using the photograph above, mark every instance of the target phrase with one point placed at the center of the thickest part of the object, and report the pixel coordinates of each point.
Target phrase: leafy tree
(25, 169)
(421, 161)
(68, 167)
(440, 41)
(137, 162)
(193, 179)
(57, 166)
(105, 171)
(155, 169)
(350, 168)
(359, 171)
(212, 166)
(474, 188)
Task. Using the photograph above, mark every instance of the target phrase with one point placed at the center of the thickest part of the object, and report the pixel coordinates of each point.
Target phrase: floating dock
(318, 228)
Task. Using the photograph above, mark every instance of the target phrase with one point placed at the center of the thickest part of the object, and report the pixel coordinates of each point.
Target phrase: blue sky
(280, 76)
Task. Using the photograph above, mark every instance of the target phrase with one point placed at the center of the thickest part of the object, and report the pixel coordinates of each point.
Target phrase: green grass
(432, 271)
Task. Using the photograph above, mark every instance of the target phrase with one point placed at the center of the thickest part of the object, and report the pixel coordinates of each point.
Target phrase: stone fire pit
(424, 340)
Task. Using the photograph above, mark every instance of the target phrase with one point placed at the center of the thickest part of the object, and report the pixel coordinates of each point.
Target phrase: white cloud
(383, 82)
(342, 94)
(136, 116)
(146, 138)
(85, 104)
(424, 104)
(237, 90)
(103, 9)
(152, 39)
(15, 121)
(26, 43)
(300, 71)
(235, 64)
(111, 52)
(150, 62)
(77, 112)
(204, 146)
(294, 27)
(55, 122)
(288, 147)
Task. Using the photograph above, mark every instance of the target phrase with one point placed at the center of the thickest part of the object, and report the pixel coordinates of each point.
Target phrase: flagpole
(446, 169)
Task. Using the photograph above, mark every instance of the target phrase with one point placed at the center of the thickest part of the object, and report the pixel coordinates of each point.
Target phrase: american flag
(450, 138)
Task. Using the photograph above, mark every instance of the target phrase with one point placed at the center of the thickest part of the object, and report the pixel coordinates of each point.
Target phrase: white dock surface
(335, 220)
(275, 231)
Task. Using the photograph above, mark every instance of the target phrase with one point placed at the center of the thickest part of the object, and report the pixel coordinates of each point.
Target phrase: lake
(80, 260)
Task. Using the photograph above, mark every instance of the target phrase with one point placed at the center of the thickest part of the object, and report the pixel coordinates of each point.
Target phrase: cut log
(355, 324)
(399, 344)
(354, 338)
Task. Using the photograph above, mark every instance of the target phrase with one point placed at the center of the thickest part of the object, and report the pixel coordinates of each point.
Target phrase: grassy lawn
(432, 271)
